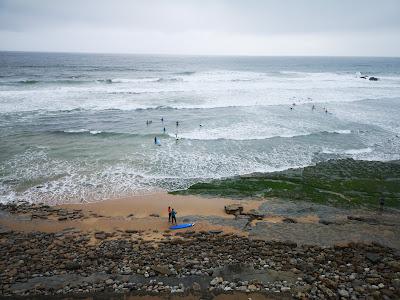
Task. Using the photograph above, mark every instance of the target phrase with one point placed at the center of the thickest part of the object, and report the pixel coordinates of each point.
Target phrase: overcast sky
(232, 27)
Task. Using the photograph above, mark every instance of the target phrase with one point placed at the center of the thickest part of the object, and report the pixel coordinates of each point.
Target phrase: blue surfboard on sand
(180, 226)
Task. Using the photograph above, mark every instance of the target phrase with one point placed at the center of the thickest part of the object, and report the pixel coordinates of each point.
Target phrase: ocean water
(73, 126)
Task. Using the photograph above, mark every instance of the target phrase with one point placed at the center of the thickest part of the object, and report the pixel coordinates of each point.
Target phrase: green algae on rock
(345, 182)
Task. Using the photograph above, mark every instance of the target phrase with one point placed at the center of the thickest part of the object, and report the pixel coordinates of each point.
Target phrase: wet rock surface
(42, 211)
(69, 263)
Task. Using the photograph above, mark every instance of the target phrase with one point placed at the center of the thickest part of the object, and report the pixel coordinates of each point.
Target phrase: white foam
(358, 151)
(348, 151)
(135, 80)
(343, 131)
(76, 130)
(95, 131)
(219, 88)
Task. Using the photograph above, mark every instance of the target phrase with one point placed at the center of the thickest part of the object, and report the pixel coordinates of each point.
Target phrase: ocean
(81, 127)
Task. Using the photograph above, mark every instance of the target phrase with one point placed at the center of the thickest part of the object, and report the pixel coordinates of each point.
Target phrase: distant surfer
(291, 108)
(326, 110)
(162, 119)
(177, 123)
(155, 140)
(164, 130)
(313, 107)
(381, 203)
(173, 216)
(147, 122)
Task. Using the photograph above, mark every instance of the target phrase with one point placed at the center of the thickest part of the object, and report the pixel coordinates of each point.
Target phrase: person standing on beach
(173, 216)
(169, 214)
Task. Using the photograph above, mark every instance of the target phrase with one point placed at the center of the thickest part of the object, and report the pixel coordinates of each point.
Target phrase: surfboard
(180, 226)
(158, 143)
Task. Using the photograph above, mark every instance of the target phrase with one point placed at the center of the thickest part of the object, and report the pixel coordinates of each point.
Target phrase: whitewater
(73, 127)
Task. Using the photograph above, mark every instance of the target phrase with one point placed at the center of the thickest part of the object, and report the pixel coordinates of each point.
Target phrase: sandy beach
(147, 213)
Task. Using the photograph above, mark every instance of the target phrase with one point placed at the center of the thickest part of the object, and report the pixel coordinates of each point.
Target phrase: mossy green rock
(346, 182)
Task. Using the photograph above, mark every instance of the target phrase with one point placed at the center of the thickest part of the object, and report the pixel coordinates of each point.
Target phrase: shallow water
(73, 126)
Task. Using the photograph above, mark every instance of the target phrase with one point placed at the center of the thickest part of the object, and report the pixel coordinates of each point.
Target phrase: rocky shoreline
(202, 264)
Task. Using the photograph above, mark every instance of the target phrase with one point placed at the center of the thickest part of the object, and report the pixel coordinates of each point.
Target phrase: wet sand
(144, 205)
(136, 213)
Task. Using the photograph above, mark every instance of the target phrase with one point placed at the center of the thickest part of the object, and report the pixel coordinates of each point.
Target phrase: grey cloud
(256, 20)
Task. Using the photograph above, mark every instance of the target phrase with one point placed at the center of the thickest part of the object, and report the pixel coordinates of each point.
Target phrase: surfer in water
(177, 123)
(155, 140)
(173, 216)
(164, 130)
(162, 119)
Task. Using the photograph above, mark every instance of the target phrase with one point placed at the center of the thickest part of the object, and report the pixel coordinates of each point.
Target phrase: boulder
(72, 266)
(100, 235)
(216, 280)
(161, 269)
(255, 214)
(373, 257)
(234, 209)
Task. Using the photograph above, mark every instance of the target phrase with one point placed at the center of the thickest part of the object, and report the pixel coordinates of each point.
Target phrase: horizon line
(186, 54)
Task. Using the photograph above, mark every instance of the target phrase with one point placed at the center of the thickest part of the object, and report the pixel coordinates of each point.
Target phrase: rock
(343, 293)
(62, 218)
(289, 220)
(373, 257)
(109, 281)
(255, 214)
(394, 265)
(4, 231)
(396, 283)
(154, 215)
(101, 235)
(234, 209)
(162, 269)
(325, 222)
(372, 78)
(252, 288)
(196, 287)
(72, 266)
(216, 280)
(215, 231)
